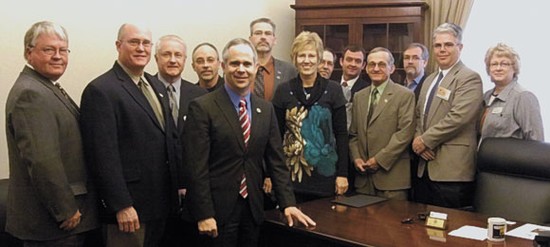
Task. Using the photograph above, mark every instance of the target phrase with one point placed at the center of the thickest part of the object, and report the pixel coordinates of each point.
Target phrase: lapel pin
(258, 110)
(385, 100)
(162, 96)
(184, 117)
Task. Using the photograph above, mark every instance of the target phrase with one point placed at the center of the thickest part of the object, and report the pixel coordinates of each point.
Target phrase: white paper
(527, 231)
(471, 232)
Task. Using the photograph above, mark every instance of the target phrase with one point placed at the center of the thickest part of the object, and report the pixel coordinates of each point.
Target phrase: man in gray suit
(50, 197)
(272, 72)
(446, 115)
(379, 138)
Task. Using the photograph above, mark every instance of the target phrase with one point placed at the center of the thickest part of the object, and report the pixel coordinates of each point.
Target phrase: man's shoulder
(283, 65)
(189, 87)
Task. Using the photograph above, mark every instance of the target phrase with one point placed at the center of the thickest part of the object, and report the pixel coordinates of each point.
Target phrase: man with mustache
(415, 59)
(206, 63)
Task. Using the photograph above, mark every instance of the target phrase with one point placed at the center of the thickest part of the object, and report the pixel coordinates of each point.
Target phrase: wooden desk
(375, 225)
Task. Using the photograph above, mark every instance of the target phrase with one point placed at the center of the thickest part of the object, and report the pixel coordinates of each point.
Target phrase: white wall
(522, 25)
(92, 29)
(93, 25)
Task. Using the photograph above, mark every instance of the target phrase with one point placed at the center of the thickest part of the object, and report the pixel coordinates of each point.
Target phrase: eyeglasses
(137, 42)
(381, 65)
(503, 65)
(446, 45)
(50, 51)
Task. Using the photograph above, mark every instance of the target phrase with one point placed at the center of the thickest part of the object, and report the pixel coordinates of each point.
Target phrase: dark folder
(358, 201)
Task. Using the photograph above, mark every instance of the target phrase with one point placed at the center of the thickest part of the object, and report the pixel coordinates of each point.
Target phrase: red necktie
(245, 126)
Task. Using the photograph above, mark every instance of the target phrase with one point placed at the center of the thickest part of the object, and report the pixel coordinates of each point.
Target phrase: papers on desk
(527, 231)
(471, 232)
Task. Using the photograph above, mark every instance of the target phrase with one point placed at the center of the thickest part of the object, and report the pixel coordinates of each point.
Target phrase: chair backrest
(514, 179)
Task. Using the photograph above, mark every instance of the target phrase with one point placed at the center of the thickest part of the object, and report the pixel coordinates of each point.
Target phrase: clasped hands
(422, 150)
(369, 166)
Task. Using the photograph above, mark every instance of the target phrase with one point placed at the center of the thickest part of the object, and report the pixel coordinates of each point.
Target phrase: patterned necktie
(259, 87)
(153, 102)
(173, 102)
(373, 103)
(62, 90)
(430, 98)
(245, 126)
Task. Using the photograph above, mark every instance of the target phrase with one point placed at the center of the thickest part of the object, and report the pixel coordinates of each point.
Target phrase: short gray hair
(451, 28)
(235, 42)
(43, 27)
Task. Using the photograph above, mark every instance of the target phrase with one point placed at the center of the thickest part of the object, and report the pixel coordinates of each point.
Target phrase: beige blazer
(386, 137)
(451, 127)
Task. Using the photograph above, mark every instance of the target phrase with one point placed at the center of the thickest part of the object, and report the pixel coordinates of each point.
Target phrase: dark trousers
(76, 240)
(444, 194)
(240, 230)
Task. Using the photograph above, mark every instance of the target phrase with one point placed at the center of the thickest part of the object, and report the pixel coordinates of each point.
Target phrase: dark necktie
(173, 102)
(153, 102)
(62, 90)
(245, 126)
(430, 98)
(259, 87)
(373, 103)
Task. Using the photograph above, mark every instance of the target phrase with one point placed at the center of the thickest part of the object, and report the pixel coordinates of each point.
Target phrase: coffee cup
(496, 229)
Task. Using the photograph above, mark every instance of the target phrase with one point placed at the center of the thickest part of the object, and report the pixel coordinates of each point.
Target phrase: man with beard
(415, 59)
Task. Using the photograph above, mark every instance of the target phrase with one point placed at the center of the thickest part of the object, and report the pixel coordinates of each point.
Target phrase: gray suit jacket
(48, 178)
(284, 71)
(386, 137)
(451, 127)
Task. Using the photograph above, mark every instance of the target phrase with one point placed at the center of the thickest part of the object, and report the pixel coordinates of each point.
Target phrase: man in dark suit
(206, 62)
(352, 62)
(415, 59)
(129, 140)
(446, 132)
(51, 201)
(170, 55)
(234, 131)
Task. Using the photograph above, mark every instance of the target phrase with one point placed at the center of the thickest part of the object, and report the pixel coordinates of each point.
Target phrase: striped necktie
(245, 126)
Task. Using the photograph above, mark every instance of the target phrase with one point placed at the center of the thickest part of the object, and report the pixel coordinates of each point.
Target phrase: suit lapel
(445, 83)
(132, 89)
(69, 103)
(258, 115)
(227, 108)
(383, 100)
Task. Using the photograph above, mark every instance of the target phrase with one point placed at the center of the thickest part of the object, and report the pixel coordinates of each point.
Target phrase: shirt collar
(135, 78)
(236, 98)
(176, 84)
(381, 88)
(350, 82)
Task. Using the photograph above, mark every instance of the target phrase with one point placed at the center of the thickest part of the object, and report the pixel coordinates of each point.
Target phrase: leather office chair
(513, 179)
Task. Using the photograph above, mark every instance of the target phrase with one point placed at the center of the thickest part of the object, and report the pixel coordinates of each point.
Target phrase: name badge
(443, 93)
(497, 110)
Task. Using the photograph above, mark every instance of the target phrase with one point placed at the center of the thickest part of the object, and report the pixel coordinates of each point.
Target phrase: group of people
(142, 152)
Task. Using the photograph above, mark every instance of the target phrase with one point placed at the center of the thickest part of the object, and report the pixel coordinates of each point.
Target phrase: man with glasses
(129, 138)
(415, 59)
(206, 63)
(51, 201)
(378, 141)
(446, 116)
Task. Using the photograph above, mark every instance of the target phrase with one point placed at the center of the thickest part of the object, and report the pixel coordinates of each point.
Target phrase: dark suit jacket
(359, 84)
(131, 156)
(216, 157)
(48, 177)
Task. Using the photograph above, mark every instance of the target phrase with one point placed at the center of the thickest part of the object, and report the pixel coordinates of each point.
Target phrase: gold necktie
(153, 101)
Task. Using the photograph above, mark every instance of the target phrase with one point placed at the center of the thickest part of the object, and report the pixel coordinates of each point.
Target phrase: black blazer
(130, 155)
(216, 157)
(359, 84)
